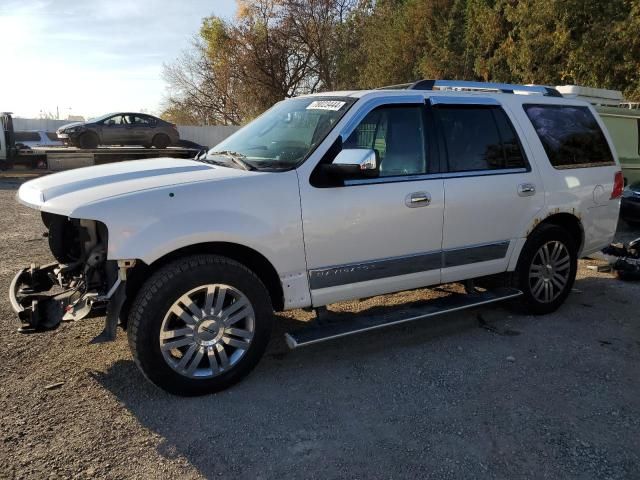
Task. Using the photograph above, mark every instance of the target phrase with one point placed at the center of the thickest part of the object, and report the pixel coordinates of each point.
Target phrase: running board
(363, 323)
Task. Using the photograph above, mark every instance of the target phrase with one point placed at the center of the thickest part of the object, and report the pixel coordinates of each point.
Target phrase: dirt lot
(481, 394)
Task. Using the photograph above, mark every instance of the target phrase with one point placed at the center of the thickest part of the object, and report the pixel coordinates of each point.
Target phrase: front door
(114, 130)
(492, 192)
(374, 236)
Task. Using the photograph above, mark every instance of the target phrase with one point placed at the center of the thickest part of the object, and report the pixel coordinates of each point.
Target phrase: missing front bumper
(42, 300)
(38, 308)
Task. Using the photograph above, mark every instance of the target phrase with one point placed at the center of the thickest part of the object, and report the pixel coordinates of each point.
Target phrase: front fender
(261, 212)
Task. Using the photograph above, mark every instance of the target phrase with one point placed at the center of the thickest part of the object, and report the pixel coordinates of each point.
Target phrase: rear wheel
(88, 140)
(200, 324)
(161, 141)
(547, 269)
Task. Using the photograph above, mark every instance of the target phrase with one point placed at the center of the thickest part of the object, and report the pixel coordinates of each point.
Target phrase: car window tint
(115, 120)
(570, 135)
(397, 134)
(478, 137)
(514, 156)
(139, 120)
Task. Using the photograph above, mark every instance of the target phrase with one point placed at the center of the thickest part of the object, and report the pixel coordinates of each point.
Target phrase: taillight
(618, 186)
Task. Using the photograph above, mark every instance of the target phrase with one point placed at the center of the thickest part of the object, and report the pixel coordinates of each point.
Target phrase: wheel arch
(570, 222)
(247, 256)
(158, 135)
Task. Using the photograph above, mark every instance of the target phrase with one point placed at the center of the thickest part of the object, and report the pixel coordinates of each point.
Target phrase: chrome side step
(363, 323)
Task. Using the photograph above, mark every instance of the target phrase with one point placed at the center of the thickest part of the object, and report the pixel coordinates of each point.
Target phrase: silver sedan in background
(120, 129)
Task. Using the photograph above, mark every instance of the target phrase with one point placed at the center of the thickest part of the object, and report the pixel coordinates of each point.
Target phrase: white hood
(64, 192)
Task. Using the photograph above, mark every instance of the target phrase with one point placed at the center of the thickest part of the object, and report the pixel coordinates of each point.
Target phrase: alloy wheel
(549, 271)
(207, 331)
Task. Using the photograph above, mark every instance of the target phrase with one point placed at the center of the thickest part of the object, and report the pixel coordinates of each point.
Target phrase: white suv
(325, 198)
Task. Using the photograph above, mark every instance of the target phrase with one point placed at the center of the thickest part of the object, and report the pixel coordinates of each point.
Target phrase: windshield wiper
(237, 158)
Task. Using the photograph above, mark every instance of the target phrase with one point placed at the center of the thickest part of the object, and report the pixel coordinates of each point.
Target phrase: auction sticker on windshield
(326, 105)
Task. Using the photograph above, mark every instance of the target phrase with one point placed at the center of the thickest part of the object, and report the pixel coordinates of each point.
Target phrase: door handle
(526, 189)
(417, 199)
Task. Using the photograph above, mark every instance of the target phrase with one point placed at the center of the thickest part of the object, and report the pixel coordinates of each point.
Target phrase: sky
(89, 57)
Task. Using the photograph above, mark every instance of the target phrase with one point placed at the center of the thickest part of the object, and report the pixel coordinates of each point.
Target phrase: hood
(69, 125)
(64, 192)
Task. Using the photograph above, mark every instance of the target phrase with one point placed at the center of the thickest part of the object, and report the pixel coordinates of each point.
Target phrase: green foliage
(280, 48)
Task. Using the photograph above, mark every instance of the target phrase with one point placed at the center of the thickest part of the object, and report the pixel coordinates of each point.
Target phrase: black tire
(544, 234)
(161, 141)
(88, 140)
(159, 293)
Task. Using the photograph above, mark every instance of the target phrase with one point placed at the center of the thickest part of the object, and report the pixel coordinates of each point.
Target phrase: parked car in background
(36, 138)
(120, 129)
(630, 205)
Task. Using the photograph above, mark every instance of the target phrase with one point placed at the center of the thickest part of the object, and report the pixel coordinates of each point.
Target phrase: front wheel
(200, 324)
(546, 269)
(88, 140)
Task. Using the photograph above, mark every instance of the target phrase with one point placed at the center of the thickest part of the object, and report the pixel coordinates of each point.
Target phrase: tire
(161, 141)
(530, 270)
(88, 140)
(159, 308)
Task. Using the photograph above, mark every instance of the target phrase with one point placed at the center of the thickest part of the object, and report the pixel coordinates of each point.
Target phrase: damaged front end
(82, 283)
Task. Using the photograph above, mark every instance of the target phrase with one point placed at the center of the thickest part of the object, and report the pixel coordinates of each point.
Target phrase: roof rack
(463, 85)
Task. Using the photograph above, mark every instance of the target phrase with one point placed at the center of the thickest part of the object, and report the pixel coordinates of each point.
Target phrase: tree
(276, 49)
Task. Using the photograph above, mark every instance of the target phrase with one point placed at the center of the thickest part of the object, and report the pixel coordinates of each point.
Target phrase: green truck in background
(621, 118)
(624, 127)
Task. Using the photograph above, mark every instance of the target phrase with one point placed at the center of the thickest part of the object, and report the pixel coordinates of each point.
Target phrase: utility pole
(57, 113)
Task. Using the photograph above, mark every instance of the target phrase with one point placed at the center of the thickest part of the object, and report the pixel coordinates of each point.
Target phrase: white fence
(38, 124)
(208, 136)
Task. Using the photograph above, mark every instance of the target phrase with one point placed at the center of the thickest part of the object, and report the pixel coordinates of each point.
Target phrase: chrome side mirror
(355, 163)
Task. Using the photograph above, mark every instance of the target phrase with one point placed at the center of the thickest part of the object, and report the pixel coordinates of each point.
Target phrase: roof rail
(463, 85)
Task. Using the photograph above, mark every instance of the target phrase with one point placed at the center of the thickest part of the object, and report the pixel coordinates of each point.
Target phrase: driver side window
(116, 120)
(397, 134)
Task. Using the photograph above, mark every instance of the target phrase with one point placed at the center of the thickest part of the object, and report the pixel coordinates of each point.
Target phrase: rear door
(492, 192)
(141, 129)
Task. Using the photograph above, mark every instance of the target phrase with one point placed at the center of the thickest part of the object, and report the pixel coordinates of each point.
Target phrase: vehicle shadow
(299, 408)
(267, 413)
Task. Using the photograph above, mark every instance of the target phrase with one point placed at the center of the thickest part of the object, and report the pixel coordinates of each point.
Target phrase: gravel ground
(480, 394)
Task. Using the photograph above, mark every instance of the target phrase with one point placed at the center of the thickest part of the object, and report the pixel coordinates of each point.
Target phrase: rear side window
(479, 137)
(570, 135)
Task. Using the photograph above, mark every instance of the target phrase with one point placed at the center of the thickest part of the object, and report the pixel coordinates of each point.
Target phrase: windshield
(283, 136)
(100, 118)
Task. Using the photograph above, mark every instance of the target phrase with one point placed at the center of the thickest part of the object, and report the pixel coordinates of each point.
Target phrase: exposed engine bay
(80, 284)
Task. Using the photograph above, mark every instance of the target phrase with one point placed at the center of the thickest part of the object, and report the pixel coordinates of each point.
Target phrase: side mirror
(354, 163)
